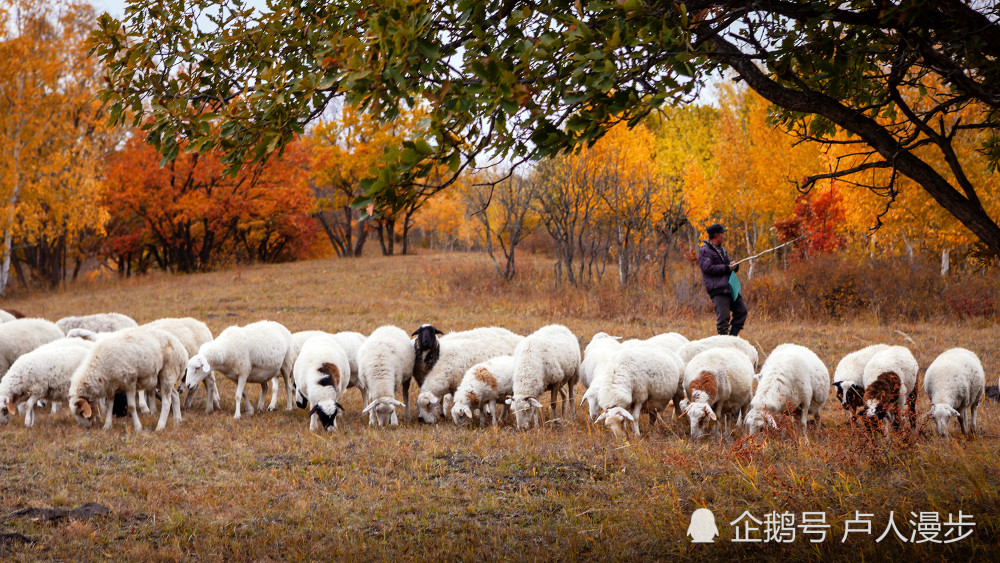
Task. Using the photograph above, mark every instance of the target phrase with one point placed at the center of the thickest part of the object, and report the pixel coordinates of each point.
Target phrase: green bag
(734, 285)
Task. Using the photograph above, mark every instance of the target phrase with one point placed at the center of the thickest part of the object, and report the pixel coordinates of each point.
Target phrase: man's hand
(734, 266)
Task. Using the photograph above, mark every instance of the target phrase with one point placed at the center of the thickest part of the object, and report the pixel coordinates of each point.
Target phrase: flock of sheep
(487, 373)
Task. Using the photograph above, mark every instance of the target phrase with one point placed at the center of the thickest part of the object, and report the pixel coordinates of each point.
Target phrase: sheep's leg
(143, 405)
(189, 396)
(636, 413)
(493, 412)
(130, 399)
(240, 386)
(553, 397)
(175, 403)
(214, 387)
(964, 421)
(974, 426)
(313, 422)
(274, 395)
(29, 413)
(55, 407)
(289, 392)
(572, 401)
(165, 401)
(108, 415)
(264, 386)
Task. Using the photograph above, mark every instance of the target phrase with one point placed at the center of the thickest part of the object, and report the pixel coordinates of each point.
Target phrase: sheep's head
(327, 412)
(874, 409)
(590, 397)
(197, 370)
(942, 417)
(850, 395)
(757, 419)
(8, 408)
(383, 411)
(702, 418)
(461, 413)
(429, 407)
(525, 410)
(614, 418)
(426, 338)
(83, 410)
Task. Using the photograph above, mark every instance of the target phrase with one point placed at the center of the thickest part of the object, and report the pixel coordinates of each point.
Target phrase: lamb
(955, 384)
(193, 334)
(21, 336)
(350, 342)
(547, 359)
(849, 376)
(889, 376)
(602, 346)
(385, 365)
(692, 349)
(792, 378)
(458, 352)
(100, 322)
(718, 382)
(129, 360)
(639, 377)
(42, 374)
(481, 386)
(255, 353)
(321, 375)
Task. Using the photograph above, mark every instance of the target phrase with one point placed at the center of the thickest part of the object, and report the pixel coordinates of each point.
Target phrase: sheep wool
(482, 386)
(385, 365)
(955, 383)
(717, 382)
(549, 358)
(18, 337)
(42, 374)
(792, 379)
(889, 376)
(321, 372)
(193, 334)
(639, 378)
(692, 349)
(100, 322)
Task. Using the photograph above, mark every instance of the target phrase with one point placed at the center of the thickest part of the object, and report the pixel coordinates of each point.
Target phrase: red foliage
(187, 216)
(818, 215)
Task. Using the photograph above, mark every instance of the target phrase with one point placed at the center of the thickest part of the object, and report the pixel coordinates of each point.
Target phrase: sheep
(638, 377)
(459, 351)
(692, 349)
(547, 359)
(670, 341)
(350, 341)
(718, 382)
(481, 386)
(42, 374)
(793, 377)
(321, 372)
(849, 376)
(18, 337)
(6, 317)
(129, 360)
(193, 334)
(955, 384)
(385, 365)
(255, 353)
(889, 376)
(100, 322)
(602, 346)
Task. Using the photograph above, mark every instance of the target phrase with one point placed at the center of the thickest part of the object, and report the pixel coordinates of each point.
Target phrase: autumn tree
(53, 133)
(538, 78)
(187, 216)
(506, 210)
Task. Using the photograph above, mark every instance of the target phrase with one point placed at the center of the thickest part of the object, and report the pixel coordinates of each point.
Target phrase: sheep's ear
(953, 411)
(627, 415)
(711, 414)
(771, 421)
(436, 331)
(584, 400)
(340, 407)
(84, 406)
(534, 402)
(602, 417)
(433, 400)
(398, 403)
(370, 406)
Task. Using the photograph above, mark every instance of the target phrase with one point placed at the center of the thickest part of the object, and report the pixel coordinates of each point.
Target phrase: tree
(537, 78)
(506, 212)
(52, 132)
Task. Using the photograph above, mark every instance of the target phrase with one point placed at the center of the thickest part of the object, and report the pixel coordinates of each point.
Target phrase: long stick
(773, 249)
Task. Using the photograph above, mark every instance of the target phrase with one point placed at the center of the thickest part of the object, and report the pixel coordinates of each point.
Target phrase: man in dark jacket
(715, 269)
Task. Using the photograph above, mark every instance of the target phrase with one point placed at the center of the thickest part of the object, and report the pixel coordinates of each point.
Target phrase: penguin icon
(703, 528)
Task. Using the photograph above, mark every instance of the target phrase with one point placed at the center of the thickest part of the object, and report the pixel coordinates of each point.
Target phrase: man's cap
(715, 229)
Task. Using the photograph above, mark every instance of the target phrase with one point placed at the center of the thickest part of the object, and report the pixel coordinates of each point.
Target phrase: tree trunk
(945, 262)
(8, 239)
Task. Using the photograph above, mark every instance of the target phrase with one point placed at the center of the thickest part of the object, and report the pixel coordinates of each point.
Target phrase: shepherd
(716, 270)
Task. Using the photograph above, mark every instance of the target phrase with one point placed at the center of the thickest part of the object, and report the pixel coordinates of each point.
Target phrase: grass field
(265, 488)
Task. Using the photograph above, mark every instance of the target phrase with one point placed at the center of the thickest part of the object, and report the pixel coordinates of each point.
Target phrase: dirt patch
(84, 512)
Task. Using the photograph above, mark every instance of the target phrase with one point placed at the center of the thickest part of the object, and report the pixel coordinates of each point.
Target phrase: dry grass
(266, 488)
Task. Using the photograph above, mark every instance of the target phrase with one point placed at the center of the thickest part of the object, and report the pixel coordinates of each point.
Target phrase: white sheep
(692, 349)
(459, 351)
(193, 334)
(670, 341)
(350, 342)
(322, 371)
(6, 317)
(549, 358)
(21, 336)
(638, 377)
(100, 322)
(849, 377)
(126, 361)
(792, 378)
(955, 383)
(597, 353)
(42, 374)
(717, 382)
(482, 385)
(889, 376)
(385, 365)
(255, 353)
